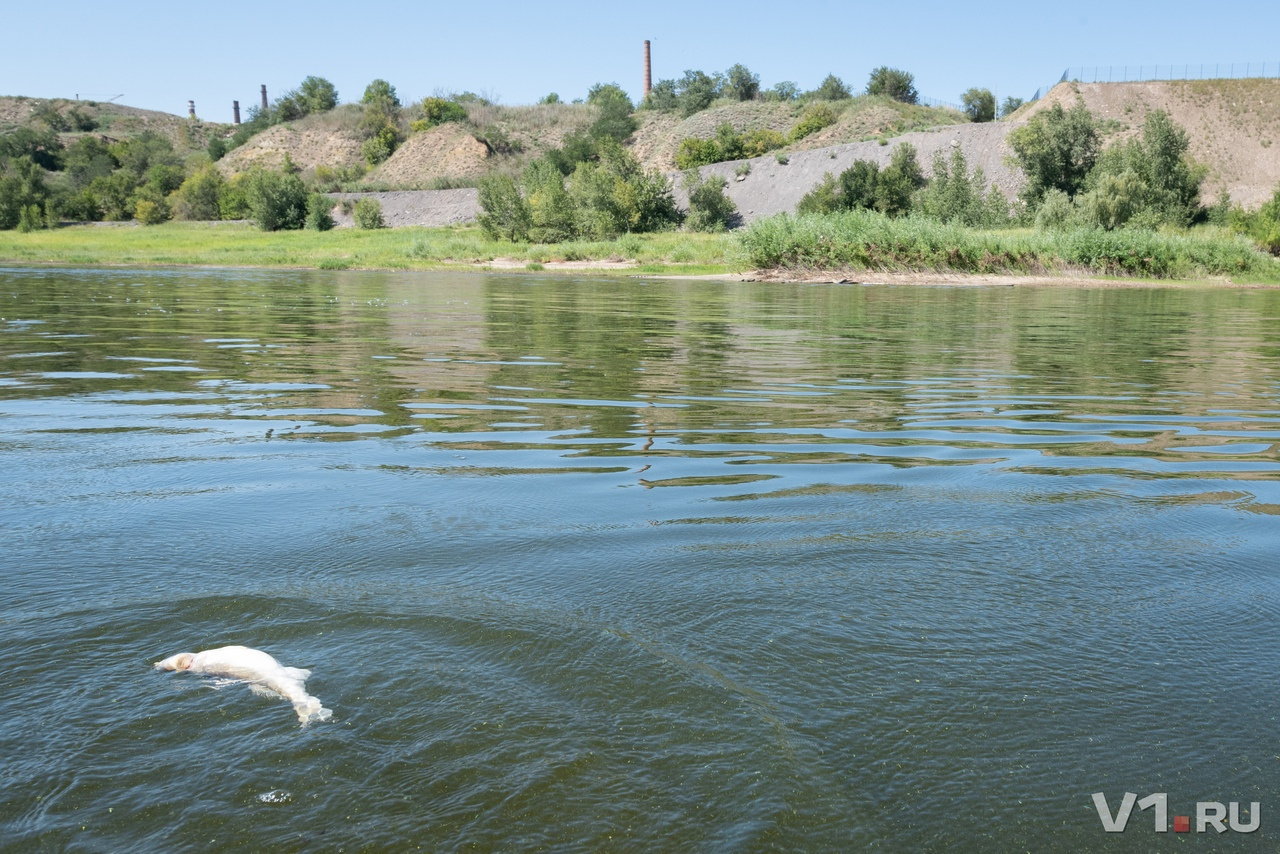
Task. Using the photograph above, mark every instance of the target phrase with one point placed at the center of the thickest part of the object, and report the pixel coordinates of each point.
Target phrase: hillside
(107, 120)
(1233, 125)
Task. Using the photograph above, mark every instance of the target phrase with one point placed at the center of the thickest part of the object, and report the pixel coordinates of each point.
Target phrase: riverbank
(956, 259)
(450, 248)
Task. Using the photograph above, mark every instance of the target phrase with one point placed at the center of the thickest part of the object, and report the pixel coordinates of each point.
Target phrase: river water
(634, 565)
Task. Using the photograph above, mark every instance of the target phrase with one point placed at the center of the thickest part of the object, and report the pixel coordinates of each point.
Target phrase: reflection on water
(630, 564)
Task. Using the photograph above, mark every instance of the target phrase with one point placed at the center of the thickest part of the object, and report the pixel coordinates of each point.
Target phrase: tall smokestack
(191, 109)
(648, 71)
(235, 110)
(264, 97)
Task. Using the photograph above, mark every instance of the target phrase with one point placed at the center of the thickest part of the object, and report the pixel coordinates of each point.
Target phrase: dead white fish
(264, 675)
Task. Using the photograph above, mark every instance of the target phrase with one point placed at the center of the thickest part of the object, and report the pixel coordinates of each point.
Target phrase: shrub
(979, 105)
(1057, 212)
(709, 208)
(438, 111)
(276, 200)
(759, 142)
(815, 118)
(368, 214)
(615, 196)
(319, 217)
(694, 152)
(199, 197)
(504, 214)
(956, 195)
(150, 212)
(894, 83)
(1150, 177)
(217, 148)
(550, 209)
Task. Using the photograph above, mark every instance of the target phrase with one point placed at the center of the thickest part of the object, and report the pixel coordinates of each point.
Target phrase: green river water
(626, 565)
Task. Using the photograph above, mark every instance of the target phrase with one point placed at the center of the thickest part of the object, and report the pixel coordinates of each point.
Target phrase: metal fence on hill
(934, 102)
(1186, 71)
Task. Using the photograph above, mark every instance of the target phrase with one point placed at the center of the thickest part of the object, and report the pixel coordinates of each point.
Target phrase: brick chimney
(648, 71)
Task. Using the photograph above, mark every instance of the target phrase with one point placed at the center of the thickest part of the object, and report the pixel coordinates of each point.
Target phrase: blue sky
(159, 55)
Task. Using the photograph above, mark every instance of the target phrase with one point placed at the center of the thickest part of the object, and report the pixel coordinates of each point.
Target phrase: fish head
(181, 661)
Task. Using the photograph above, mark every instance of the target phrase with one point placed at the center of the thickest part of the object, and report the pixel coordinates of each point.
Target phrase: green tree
(832, 88)
(380, 91)
(894, 83)
(318, 95)
(42, 147)
(979, 105)
(741, 84)
(697, 90)
(1010, 105)
(22, 188)
(88, 158)
(899, 181)
(1056, 149)
(1148, 179)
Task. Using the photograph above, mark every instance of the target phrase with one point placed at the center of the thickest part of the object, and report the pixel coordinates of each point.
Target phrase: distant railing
(934, 102)
(1186, 71)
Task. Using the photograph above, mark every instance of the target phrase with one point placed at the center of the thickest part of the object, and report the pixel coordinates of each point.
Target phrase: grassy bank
(868, 240)
(856, 240)
(242, 245)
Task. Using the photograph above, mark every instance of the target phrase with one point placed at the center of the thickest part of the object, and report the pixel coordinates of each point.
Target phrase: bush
(368, 214)
(1149, 179)
(955, 195)
(815, 118)
(200, 196)
(894, 83)
(217, 148)
(276, 200)
(979, 105)
(1057, 212)
(694, 152)
(504, 214)
(437, 111)
(709, 208)
(550, 208)
(150, 212)
(616, 196)
(319, 217)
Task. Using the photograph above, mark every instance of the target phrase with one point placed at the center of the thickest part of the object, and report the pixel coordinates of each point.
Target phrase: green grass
(868, 240)
(461, 247)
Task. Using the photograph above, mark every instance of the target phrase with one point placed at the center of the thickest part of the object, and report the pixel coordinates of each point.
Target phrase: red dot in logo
(1182, 824)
